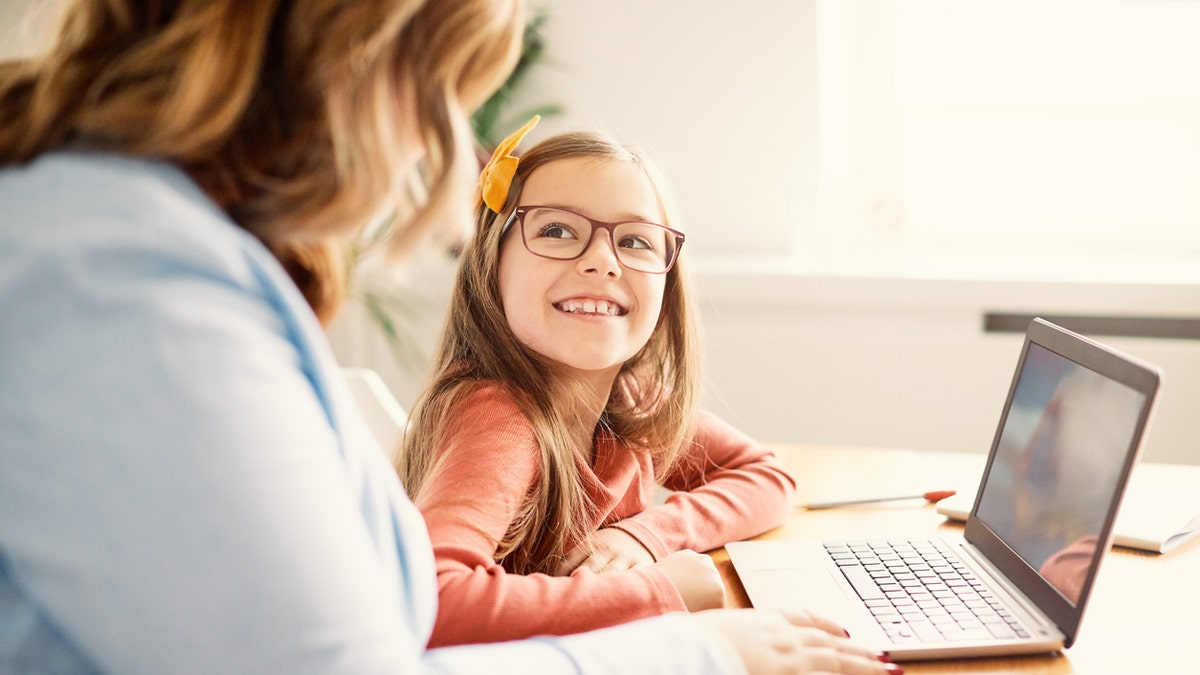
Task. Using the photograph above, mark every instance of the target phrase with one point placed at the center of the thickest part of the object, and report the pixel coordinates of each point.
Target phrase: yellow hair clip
(497, 176)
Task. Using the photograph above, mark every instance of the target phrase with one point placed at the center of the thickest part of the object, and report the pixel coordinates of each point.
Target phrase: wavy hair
(296, 116)
(651, 407)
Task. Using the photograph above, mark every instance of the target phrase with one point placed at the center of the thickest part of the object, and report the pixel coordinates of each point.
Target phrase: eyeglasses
(559, 234)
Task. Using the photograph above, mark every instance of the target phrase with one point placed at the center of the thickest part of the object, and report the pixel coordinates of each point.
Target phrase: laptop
(1019, 578)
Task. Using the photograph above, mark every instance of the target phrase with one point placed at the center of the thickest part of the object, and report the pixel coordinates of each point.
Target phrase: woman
(186, 485)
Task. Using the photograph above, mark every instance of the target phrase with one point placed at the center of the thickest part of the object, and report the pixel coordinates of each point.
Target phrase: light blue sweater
(185, 484)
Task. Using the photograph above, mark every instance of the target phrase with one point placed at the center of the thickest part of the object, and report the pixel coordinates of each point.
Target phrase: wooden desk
(1137, 620)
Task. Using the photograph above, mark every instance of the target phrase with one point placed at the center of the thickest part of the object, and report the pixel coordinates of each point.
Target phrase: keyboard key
(925, 631)
(963, 635)
(862, 582)
(1000, 630)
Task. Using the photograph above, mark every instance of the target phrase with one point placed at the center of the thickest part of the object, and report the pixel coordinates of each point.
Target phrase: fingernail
(884, 657)
(846, 632)
(893, 669)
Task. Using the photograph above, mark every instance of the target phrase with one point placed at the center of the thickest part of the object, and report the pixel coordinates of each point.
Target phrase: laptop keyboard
(920, 591)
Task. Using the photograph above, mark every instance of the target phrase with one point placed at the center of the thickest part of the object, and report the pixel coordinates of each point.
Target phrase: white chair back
(384, 414)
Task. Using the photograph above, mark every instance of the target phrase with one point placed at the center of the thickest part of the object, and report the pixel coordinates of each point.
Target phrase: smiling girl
(563, 393)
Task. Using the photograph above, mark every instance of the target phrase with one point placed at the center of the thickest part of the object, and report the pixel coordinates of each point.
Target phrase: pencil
(934, 496)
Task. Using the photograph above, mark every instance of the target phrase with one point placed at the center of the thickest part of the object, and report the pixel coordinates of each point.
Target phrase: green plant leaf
(489, 122)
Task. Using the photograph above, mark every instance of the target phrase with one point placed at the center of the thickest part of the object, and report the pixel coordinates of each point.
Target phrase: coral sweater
(727, 488)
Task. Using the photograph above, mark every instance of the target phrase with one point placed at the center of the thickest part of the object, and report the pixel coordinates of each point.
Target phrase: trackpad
(815, 589)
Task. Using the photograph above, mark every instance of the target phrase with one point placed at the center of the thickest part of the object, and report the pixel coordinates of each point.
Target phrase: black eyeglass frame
(518, 215)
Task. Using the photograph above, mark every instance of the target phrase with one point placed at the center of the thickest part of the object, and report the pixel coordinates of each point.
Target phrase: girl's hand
(794, 642)
(696, 578)
(694, 574)
(608, 550)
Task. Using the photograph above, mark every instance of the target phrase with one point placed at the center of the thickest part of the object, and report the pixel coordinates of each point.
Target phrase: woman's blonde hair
(651, 406)
(293, 115)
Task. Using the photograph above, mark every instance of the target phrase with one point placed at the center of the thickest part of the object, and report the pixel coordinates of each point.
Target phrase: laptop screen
(1058, 463)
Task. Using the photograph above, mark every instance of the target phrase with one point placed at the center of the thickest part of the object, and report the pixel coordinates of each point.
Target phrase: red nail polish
(884, 657)
(846, 632)
(893, 669)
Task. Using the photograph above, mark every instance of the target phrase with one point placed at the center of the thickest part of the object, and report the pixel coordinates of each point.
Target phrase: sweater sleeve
(489, 464)
(727, 487)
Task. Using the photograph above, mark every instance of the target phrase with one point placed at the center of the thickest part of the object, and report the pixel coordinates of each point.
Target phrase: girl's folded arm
(726, 487)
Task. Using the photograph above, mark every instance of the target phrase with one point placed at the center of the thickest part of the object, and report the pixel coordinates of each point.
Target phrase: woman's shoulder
(63, 181)
(106, 203)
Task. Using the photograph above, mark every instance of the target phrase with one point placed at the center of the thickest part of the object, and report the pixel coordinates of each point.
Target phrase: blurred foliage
(495, 119)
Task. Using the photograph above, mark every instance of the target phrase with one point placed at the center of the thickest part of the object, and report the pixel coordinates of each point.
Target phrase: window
(1035, 138)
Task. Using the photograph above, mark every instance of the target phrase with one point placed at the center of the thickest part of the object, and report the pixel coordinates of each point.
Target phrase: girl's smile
(585, 307)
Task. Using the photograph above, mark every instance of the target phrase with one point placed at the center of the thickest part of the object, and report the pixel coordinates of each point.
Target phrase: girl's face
(557, 307)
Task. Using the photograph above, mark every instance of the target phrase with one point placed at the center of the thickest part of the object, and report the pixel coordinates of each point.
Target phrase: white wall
(905, 363)
(723, 94)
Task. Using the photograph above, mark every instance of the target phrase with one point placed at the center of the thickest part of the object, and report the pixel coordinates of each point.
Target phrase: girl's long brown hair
(291, 114)
(651, 406)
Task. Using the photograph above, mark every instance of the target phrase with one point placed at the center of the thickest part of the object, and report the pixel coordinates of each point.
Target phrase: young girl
(564, 392)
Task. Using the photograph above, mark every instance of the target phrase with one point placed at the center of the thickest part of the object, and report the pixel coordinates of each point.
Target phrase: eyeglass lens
(563, 235)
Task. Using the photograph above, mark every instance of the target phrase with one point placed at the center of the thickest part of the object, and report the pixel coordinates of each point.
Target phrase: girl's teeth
(590, 307)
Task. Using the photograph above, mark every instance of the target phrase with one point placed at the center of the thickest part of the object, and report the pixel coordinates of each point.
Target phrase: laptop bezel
(1111, 364)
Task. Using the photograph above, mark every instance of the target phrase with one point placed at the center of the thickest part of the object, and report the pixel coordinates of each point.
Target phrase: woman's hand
(607, 550)
(794, 642)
